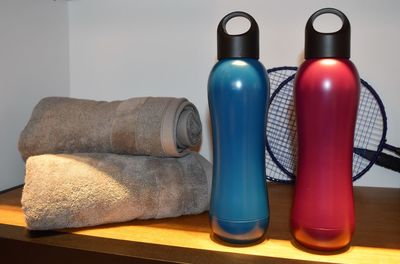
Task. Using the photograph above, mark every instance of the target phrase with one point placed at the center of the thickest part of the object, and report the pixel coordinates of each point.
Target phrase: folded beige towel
(158, 126)
(65, 190)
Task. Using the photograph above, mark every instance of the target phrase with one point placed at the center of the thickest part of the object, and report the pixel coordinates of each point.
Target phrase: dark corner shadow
(218, 240)
(11, 189)
(319, 252)
(43, 233)
(12, 196)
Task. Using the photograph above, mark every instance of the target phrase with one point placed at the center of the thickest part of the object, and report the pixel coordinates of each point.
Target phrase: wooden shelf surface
(187, 239)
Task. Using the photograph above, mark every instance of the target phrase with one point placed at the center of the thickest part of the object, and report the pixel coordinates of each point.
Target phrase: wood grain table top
(187, 239)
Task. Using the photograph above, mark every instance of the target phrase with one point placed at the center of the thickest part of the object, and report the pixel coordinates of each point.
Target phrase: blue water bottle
(238, 91)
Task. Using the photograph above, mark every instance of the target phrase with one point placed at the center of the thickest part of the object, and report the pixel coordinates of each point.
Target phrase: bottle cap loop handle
(327, 45)
(245, 45)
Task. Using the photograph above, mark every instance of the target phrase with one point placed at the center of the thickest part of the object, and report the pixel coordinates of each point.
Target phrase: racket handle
(392, 148)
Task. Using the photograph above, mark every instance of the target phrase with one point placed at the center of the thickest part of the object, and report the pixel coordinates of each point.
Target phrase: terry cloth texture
(76, 190)
(157, 126)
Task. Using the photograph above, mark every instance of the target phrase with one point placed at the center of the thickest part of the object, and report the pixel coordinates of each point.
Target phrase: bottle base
(322, 238)
(239, 232)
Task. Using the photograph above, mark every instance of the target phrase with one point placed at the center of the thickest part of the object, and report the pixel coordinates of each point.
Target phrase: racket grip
(392, 148)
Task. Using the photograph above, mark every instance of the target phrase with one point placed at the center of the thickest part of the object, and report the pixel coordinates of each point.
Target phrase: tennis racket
(281, 134)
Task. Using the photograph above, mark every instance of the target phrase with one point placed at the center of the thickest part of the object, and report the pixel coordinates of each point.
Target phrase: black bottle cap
(245, 45)
(327, 45)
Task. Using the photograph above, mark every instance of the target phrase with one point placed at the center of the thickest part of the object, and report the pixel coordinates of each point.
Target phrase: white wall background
(122, 48)
(33, 64)
(115, 49)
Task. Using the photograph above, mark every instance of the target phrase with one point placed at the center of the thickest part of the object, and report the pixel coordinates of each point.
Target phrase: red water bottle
(327, 90)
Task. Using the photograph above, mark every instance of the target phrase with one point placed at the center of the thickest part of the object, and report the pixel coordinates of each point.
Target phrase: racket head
(273, 171)
(370, 136)
(279, 74)
(281, 132)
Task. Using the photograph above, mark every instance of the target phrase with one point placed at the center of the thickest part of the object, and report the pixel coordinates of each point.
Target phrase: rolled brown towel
(158, 126)
(76, 190)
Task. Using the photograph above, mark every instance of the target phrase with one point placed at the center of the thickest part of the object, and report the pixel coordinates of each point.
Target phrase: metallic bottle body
(238, 91)
(326, 101)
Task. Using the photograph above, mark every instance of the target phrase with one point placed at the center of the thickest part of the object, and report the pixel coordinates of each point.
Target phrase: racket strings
(274, 173)
(285, 157)
(369, 128)
(278, 76)
(368, 121)
(280, 124)
(282, 131)
(285, 139)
